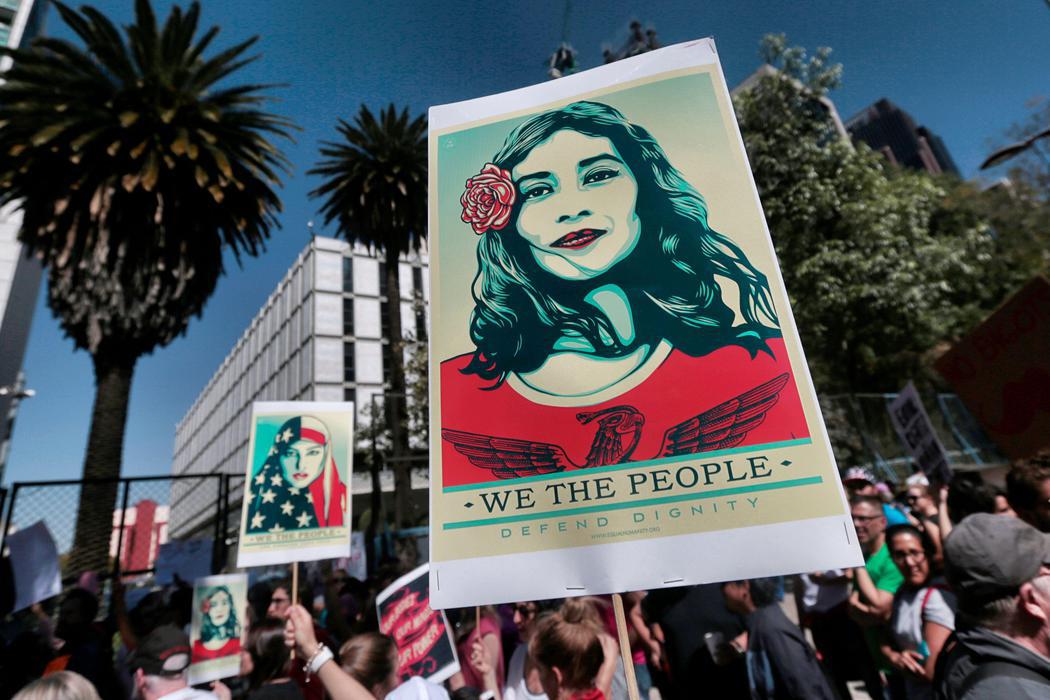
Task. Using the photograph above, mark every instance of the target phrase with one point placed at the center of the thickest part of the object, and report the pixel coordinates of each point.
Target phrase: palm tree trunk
(395, 400)
(102, 461)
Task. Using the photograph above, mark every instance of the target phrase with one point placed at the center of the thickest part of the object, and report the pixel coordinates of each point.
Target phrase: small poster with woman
(614, 364)
(297, 484)
(217, 627)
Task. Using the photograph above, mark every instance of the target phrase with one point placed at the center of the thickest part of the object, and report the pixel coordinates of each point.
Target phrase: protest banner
(422, 635)
(1001, 371)
(34, 564)
(914, 428)
(190, 559)
(297, 484)
(616, 376)
(216, 627)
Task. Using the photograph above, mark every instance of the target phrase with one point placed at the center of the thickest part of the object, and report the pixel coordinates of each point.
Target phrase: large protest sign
(34, 563)
(1001, 371)
(297, 484)
(616, 376)
(422, 635)
(188, 559)
(216, 627)
(914, 428)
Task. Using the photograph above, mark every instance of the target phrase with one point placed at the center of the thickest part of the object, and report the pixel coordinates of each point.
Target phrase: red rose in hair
(488, 199)
(205, 605)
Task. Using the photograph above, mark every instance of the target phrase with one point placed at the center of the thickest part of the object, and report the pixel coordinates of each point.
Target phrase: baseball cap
(163, 652)
(989, 556)
(858, 474)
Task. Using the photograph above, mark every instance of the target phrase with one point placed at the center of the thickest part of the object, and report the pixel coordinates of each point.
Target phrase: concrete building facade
(320, 336)
(20, 21)
(891, 131)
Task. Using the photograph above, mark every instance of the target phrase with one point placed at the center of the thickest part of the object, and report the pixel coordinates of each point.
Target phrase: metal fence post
(10, 515)
(117, 563)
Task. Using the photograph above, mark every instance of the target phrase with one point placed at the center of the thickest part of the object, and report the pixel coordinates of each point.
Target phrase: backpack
(1000, 667)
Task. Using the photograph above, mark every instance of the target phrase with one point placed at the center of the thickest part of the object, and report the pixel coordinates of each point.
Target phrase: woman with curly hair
(601, 284)
(220, 630)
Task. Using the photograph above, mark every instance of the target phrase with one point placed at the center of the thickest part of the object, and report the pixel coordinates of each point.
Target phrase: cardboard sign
(297, 484)
(423, 637)
(190, 559)
(34, 562)
(619, 394)
(1001, 371)
(217, 629)
(914, 428)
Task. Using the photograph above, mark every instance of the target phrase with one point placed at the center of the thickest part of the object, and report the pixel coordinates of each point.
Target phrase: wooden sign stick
(295, 592)
(625, 647)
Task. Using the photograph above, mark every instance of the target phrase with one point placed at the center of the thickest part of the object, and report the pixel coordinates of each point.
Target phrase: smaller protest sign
(216, 627)
(913, 425)
(297, 483)
(190, 559)
(34, 562)
(357, 563)
(422, 635)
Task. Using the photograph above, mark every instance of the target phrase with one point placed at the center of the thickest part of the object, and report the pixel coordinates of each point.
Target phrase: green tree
(375, 189)
(880, 263)
(135, 170)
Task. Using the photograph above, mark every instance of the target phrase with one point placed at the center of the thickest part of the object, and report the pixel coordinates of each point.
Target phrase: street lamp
(17, 392)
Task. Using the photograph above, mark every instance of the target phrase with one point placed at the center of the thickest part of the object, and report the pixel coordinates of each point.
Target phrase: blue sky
(966, 69)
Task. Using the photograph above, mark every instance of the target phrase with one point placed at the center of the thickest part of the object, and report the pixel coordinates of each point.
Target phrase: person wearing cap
(1000, 570)
(158, 667)
(860, 482)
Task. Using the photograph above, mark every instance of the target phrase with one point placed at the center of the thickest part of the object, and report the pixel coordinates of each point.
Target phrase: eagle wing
(508, 458)
(725, 425)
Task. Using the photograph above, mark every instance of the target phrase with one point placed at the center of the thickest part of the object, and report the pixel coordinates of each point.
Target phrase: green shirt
(886, 577)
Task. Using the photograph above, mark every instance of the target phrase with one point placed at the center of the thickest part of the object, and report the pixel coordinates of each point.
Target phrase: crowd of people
(953, 602)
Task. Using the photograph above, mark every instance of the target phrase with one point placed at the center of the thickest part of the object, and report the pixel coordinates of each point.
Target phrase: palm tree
(135, 171)
(375, 189)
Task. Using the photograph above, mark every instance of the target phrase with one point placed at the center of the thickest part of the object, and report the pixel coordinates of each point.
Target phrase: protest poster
(190, 559)
(356, 565)
(915, 430)
(297, 484)
(34, 564)
(216, 627)
(423, 637)
(1001, 371)
(616, 377)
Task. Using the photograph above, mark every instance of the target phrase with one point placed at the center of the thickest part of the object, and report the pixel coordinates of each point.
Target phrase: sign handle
(295, 593)
(625, 647)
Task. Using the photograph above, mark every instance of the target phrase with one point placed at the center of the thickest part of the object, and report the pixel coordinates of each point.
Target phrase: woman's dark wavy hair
(231, 629)
(521, 310)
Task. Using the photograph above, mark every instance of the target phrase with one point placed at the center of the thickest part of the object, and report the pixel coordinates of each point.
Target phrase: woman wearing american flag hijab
(298, 486)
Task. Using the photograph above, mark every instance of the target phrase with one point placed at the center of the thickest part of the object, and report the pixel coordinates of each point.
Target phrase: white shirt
(515, 687)
(189, 693)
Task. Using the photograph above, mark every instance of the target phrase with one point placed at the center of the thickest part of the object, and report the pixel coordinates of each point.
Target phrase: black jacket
(1018, 673)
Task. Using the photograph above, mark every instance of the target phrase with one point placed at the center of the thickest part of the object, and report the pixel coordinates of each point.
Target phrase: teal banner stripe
(501, 483)
(569, 512)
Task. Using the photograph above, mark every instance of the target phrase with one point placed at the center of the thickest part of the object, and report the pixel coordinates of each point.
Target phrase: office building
(891, 131)
(321, 336)
(20, 21)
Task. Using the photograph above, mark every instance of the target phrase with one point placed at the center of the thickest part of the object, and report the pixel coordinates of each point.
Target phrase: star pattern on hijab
(276, 505)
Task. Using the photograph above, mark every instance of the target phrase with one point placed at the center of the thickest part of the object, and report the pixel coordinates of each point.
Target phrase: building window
(421, 321)
(348, 316)
(382, 279)
(348, 362)
(387, 363)
(384, 320)
(417, 281)
(349, 394)
(348, 274)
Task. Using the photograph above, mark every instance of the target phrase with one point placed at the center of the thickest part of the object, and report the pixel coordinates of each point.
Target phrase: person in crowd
(63, 685)
(965, 495)
(927, 514)
(280, 603)
(781, 665)
(523, 676)
(822, 599)
(1000, 569)
(1002, 503)
(83, 646)
(1028, 490)
(683, 616)
(220, 629)
(260, 595)
(860, 482)
(159, 664)
(337, 682)
(491, 654)
(570, 655)
(371, 658)
(875, 584)
(643, 643)
(264, 662)
(923, 612)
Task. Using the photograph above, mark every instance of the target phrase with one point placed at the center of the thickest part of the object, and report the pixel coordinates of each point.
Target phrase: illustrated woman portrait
(601, 328)
(298, 486)
(220, 634)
